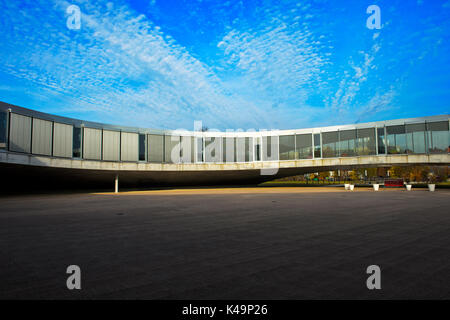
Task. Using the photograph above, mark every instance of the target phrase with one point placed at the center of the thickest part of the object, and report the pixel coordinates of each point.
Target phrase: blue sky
(232, 64)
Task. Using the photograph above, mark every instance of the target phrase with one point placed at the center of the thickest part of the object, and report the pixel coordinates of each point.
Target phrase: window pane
(304, 146)
(317, 151)
(415, 138)
(330, 144)
(381, 141)
(396, 139)
(200, 157)
(240, 149)
(287, 147)
(347, 143)
(76, 142)
(366, 141)
(155, 148)
(172, 149)
(212, 149)
(248, 149)
(258, 149)
(3, 128)
(438, 137)
(270, 148)
(228, 150)
(142, 147)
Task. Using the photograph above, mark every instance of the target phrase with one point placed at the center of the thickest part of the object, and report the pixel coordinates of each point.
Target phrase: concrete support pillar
(116, 183)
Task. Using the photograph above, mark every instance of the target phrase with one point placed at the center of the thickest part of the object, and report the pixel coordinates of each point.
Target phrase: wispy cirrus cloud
(230, 64)
(120, 63)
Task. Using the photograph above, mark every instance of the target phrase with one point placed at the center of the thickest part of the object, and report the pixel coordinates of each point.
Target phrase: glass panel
(330, 144)
(415, 138)
(248, 149)
(3, 129)
(347, 143)
(287, 147)
(381, 141)
(304, 146)
(240, 149)
(200, 157)
(212, 149)
(317, 151)
(172, 148)
(270, 148)
(155, 148)
(258, 149)
(228, 150)
(396, 139)
(438, 137)
(142, 147)
(76, 142)
(366, 141)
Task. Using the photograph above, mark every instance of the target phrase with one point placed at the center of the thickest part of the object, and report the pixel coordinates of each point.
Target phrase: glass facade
(287, 147)
(303, 143)
(330, 144)
(429, 135)
(438, 137)
(381, 141)
(76, 142)
(396, 139)
(3, 129)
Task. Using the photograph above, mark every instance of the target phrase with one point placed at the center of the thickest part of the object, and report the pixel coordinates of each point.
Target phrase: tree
(418, 173)
(400, 172)
(354, 176)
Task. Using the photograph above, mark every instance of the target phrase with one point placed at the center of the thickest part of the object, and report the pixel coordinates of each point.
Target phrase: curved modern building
(37, 148)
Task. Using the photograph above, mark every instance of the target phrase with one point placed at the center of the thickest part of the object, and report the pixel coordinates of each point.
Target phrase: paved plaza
(232, 243)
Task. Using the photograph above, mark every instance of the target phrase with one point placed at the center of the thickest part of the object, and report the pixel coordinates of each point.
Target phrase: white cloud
(121, 66)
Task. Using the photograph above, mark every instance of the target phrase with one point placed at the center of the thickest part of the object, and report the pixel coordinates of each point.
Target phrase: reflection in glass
(76, 142)
(366, 141)
(415, 138)
(257, 149)
(317, 149)
(248, 149)
(3, 128)
(172, 149)
(438, 137)
(287, 147)
(200, 150)
(303, 144)
(381, 141)
(212, 149)
(142, 147)
(330, 147)
(155, 148)
(396, 139)
(229, 150)
(270, 148)
(347, 143)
